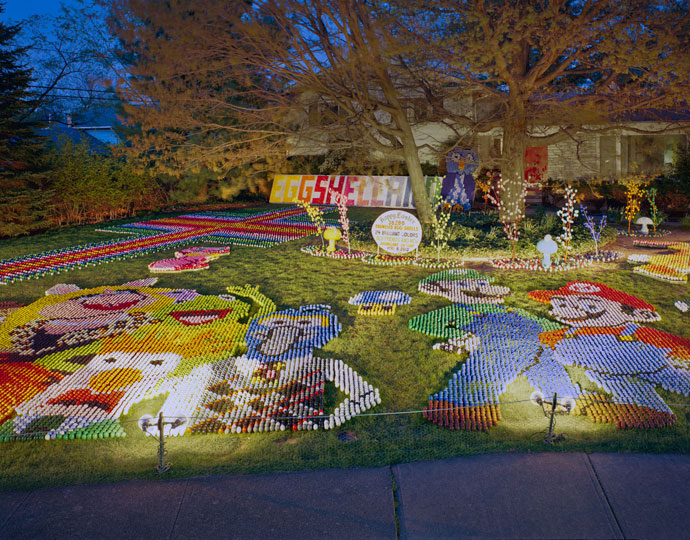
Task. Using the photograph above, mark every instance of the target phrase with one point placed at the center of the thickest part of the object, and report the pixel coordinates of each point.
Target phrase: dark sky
(21, 9)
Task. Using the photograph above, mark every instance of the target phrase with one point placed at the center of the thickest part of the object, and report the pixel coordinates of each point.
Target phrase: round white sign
(397, 231)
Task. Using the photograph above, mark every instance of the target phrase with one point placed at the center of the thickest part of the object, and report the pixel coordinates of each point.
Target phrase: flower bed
(387, 260)
(318, 251)
(557, 265)
(637, 234)
(379, 302)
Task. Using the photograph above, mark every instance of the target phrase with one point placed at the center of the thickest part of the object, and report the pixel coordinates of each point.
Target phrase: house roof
(57, 135)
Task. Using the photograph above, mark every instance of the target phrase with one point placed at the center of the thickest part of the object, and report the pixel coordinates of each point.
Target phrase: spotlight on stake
(147, 423)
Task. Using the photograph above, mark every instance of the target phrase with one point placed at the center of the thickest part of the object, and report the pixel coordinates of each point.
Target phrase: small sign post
(397, 232)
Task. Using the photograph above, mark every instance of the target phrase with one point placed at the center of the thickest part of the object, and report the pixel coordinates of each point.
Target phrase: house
(646, 144)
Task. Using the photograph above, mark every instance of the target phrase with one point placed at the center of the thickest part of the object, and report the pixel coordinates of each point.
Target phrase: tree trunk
(513, 167)
(414, 169)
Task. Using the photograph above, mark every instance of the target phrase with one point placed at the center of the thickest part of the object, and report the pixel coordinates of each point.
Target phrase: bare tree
(228, 83)
(549, 70)
(221, 84)
(74, 60)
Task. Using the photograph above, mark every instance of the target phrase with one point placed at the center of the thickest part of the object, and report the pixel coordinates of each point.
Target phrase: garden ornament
(547, 247)
(379, 302)
(74, 361)
(645, 222)
(682, 305)
(603, 335)
(673, 267)
(331, 234)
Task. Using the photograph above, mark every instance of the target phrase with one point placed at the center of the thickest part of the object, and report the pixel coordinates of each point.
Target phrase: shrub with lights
(512, 211)
(567, 213)
(341, 202)
(633, 197)
(656, 216)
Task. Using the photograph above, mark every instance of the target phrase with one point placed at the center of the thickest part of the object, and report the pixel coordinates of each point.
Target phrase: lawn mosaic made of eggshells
(75, 361)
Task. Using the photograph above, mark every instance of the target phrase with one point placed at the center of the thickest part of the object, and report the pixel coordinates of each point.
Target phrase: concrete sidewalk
(545, 495)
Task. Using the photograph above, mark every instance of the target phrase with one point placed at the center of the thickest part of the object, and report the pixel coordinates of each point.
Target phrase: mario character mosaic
(627, 360)
(598, 328)
(247, 229)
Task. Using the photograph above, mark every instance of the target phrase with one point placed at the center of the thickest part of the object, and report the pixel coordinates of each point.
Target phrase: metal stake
(549, 436)
(162, 467)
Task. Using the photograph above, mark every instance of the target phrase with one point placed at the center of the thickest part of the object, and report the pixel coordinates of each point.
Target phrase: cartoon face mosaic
(276, 385)
(73, 362)
(465, 286)
(674, 266)
(626, 360)
(263, 229)
(45, 344)
(379, 302)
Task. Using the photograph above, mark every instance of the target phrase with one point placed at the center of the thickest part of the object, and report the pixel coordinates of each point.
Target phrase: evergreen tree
(22, 197)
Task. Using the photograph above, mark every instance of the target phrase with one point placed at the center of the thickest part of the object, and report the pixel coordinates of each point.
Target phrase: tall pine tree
(22, 193)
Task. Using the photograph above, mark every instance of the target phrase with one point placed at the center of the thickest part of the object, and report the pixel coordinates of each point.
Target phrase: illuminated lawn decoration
(673, 267)
(466, 286)
(402, 260)
(567, 214)
(75, 360)
(502, 343)
(633, 197)
(318, 251)
(595, 231)
(277, 385)
(625, 359)
(95, 396)
(192, 258)
(682, 305)
(8, 307)
(379, 302)
(257, 230)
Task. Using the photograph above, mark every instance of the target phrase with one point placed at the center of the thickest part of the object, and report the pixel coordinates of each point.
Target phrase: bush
(90, 188)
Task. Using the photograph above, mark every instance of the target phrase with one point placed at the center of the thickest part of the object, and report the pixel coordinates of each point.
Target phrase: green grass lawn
(398, 361)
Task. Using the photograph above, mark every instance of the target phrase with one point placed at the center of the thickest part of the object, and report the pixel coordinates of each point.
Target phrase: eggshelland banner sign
(376, 191)
(397, 231)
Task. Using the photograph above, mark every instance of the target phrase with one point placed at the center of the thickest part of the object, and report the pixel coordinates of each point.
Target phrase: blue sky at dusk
(21, 9)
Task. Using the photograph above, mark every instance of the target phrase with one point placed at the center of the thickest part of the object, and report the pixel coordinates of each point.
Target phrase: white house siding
(568, 160)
